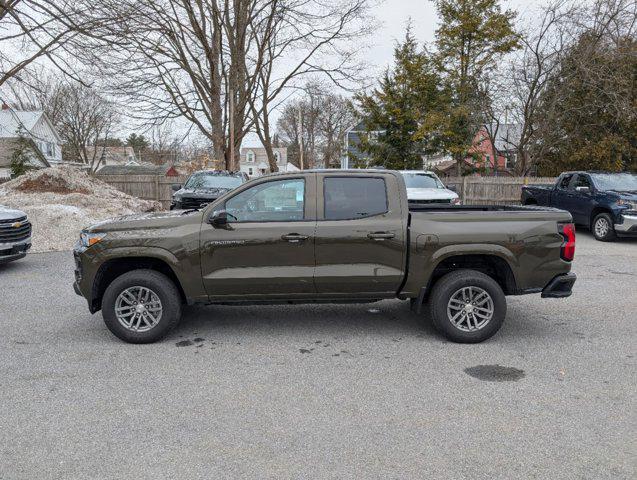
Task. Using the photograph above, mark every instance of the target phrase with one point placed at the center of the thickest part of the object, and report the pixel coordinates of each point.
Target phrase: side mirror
(583, 189)
(219, 219)
(176, 187)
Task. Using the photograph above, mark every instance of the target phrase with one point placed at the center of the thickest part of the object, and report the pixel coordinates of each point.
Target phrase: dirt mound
(61, 201)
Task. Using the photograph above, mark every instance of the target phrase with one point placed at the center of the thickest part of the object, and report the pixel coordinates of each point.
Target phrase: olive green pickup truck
(324, 236)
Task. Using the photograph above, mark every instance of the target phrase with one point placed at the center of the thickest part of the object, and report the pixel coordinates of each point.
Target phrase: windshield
(422, 180)
(207, 180)
(620, 182)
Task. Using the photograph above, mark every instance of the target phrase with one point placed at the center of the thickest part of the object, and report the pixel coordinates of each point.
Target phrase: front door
(267, 248)
(360, 236)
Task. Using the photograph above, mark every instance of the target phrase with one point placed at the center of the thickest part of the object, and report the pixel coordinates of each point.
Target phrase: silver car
(15, 234)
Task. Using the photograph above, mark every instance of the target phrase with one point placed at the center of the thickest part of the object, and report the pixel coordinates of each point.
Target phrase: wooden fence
(493, 190)
(147, 187)
(472, 190)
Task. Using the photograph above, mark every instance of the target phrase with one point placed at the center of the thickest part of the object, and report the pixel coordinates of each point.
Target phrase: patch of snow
(58, 218)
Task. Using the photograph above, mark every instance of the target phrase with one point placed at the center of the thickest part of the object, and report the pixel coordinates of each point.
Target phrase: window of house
(250, 172)
(262, 170)
(250, 157)
(275, 201)
(352, 198)
(277, 157)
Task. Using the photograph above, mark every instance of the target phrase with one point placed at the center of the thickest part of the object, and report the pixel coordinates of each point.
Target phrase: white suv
(425, 187)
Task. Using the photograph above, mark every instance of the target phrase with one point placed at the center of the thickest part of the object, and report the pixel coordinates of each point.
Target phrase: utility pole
(231, 160)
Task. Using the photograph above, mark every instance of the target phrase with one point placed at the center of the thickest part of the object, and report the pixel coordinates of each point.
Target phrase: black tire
(449, 285)
(603, 234)
(162, 286)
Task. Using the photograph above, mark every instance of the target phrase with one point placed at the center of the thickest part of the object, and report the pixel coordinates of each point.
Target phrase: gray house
(352, 139)
(36, 128)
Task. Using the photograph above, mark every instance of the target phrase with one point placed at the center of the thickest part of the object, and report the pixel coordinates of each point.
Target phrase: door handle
(379, 236)
(294, 237)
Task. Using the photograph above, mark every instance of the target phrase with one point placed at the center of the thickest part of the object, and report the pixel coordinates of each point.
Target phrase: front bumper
(14, 251)
(560, 287)
(628, 225)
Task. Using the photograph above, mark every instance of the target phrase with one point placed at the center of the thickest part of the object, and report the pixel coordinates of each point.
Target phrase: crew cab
(204, 187)
(328, 236)
(15, 234)
(604, 202)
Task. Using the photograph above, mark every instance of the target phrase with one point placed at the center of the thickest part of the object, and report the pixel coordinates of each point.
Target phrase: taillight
(567, 251)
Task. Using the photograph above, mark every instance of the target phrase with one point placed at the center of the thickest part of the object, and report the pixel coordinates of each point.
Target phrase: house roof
(143, 169)
(11, 120)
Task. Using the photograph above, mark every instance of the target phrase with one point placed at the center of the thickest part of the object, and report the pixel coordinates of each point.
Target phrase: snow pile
(60, 201)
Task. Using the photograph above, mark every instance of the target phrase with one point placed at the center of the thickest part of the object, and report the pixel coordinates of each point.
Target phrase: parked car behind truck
(425, 187)
(604, 202)
(205, 187)
(324, 236)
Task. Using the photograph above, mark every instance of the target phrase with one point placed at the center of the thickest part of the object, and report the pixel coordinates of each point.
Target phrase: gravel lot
(357, 391)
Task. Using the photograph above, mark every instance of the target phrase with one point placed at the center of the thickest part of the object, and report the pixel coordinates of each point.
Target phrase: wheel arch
(115, 267)
(596, 211)
(492, 265)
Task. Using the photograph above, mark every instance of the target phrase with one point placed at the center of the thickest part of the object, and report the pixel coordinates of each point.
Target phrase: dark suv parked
(205, 187)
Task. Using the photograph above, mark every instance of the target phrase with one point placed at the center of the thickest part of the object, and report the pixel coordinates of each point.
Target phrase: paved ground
(320, 392)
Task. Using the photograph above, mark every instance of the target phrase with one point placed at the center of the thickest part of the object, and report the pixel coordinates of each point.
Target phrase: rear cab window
(351, 198)
(565, 181)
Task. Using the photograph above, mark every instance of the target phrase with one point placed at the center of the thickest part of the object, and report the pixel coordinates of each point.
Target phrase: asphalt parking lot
(357, 391)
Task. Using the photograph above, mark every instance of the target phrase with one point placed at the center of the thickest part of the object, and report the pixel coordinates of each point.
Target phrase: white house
(254, 161)
(34, 126)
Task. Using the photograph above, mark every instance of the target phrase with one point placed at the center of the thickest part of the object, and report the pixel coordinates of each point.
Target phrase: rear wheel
(603, 228)
(467, 306)
(141, 306)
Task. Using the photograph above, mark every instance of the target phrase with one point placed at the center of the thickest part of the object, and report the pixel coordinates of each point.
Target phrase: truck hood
(212, 193)
(430, 194)
(630, 196)
(148, 220)
(7, 213)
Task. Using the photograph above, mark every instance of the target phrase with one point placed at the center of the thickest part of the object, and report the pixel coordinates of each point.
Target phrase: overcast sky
(393, 16)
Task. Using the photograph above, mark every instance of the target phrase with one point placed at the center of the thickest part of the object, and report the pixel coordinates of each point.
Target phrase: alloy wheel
(470, 309)
(138, 309)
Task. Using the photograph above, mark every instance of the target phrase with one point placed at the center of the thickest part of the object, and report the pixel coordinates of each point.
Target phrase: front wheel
(141, 306)
(603, 228)
(467, 306)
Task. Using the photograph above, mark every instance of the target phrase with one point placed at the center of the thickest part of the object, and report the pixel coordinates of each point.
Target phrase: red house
(485, 156)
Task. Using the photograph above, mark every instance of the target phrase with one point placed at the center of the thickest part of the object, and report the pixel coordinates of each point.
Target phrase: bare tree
(86, 122)
(298, 38)
(31, 30)
(542, 47)
(317, 121)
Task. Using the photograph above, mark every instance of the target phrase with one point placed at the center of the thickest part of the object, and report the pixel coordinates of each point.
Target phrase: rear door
(360, 235)
(267, 248)
(582, 202)
(561, 197)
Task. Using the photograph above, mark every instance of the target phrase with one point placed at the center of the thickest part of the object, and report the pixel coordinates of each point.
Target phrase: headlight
(627, 203)
(455, 201)
(88, 239)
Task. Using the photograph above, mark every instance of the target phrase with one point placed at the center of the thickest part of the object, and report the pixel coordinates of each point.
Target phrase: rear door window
(352, 198)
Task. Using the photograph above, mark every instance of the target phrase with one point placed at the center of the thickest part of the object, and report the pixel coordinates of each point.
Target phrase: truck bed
(478, 208)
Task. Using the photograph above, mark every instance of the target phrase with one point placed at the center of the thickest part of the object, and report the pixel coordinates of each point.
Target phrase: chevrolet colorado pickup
(324, 236)
(604, 202)
(15, 234)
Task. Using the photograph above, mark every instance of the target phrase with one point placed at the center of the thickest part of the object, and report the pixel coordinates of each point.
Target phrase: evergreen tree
(21, 156)
(472, 36)
(397, 107)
